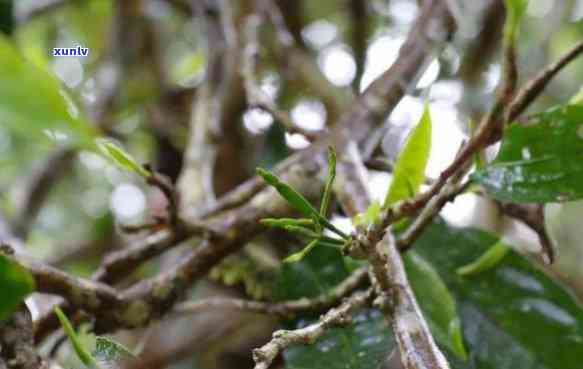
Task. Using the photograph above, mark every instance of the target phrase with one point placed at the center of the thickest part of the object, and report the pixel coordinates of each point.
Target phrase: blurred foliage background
(146, 60)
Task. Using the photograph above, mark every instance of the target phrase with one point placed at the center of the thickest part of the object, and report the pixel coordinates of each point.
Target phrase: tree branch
(283, 339)
(283, 309)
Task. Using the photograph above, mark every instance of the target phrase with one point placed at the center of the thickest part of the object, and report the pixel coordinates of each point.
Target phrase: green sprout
(314, 223)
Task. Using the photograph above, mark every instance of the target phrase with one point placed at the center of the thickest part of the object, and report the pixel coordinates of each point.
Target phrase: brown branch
(152, 298)
(485, 45)
(38, 189)
(360, 29)
(283, 309)
(532, 215)
(302, 65)
(17, 350)
(351, 178)
(118, 264)
(396, 298)
(526, 95)
(283, 339)
(394, 294)
(453, 188)
(256, 96)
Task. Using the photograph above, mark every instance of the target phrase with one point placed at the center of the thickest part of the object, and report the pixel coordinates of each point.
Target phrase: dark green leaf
(6, 16)
(321, 270)
(409, 172)
(33, 103)
(539, 162)
(122, 158)
(362, 345)
(437, 303)
(15, 284)
(365, 344)
(514, 316)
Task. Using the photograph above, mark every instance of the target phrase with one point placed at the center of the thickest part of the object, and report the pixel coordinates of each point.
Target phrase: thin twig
(255, 94)
(532, 215)
(283, 339)
(38, 189)
(526, 95)
(283, 309)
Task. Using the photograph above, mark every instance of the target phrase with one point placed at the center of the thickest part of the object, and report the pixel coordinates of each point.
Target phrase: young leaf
(33, 104)
(329, 181)
(294, 198)
(80, 350)
(370, 216)
(122, 158)
(15, 284)
(283, 222)
(539, 162)
(297, 256)
(302, 231)
(409, 172)
(515, 10)
(297, 201)
(436, 302)
(108, 350)
(486, 261)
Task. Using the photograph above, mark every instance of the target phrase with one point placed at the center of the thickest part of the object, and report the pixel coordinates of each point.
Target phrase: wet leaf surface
(540, 162)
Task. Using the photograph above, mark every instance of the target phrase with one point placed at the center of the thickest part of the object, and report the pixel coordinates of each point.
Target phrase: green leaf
(294, 198)
(297, 201)
(513, 315)
(283, 222)
(33, 104)
(122, 158)
(295, 257)
(370, 216)
(365, 344)
(306, 232)
(409, 172)
(436, 302)
(539, 162)
(329, 181)
(15, 284)
(108, 350)
(486, 261)
(188, 67)
(515, 10)
(316, 274)
(78, 346)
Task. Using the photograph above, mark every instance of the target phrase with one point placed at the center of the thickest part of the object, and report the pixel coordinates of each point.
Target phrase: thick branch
(17, 349)
(417, 346)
